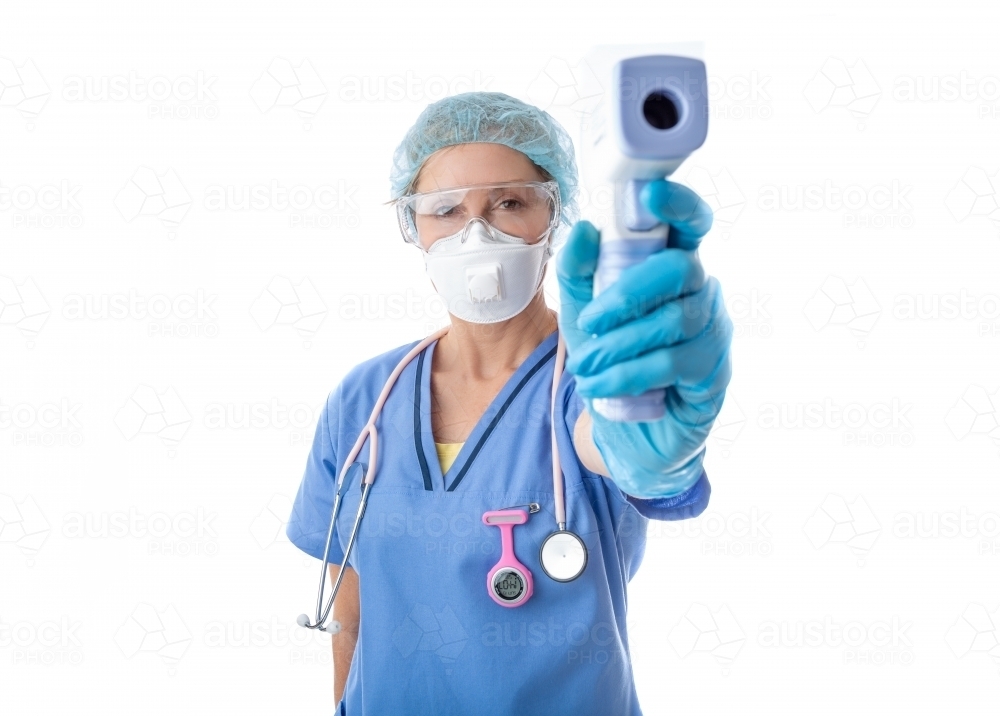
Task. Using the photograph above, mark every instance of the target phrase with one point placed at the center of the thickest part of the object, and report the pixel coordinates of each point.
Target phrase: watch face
(508, 585)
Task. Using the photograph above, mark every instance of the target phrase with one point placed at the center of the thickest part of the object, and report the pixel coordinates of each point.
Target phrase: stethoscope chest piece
(509, 583)
(563, 556)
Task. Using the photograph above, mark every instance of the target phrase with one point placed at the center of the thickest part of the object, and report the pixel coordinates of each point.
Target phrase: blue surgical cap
(492, 118)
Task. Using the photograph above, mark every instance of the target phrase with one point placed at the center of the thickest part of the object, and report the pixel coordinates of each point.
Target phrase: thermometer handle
(632, 237)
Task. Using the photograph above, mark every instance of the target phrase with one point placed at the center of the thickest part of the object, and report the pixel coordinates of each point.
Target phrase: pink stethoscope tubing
(370, 432)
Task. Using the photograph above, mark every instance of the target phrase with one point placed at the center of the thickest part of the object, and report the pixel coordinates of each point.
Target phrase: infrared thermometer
(653, 115)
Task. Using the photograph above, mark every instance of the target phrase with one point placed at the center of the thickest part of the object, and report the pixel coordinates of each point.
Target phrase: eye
(510, 204)
(445, 211)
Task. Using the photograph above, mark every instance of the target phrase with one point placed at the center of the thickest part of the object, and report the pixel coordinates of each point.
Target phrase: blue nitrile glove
(662, 324)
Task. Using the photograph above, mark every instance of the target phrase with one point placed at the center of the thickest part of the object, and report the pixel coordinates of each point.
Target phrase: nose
(479, 227)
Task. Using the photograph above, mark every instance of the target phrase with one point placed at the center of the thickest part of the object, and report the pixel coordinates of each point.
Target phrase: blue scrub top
(431, 640)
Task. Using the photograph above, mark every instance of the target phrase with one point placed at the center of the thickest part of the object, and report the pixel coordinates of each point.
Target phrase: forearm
(586, 450)
(343, 652)
(347, 611)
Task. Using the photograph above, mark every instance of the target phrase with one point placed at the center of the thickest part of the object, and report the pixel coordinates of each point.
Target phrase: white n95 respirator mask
(485, 245)
(485, 275)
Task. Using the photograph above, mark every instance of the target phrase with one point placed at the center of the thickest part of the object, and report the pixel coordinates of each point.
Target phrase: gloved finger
(698, 368)
(693, 366)
(694, 415)
(675, 322)
(688, 215)
(663, 277)
(575, 266)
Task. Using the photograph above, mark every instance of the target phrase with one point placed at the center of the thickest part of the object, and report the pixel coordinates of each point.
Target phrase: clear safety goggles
(527, 210)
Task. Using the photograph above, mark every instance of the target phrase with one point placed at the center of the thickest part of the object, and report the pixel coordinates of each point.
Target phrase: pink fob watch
(509, 583)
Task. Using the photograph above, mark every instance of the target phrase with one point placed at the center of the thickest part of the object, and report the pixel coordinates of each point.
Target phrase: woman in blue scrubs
(485, 185)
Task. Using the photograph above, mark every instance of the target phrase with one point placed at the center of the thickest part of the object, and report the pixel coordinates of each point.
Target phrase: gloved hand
(662, 324)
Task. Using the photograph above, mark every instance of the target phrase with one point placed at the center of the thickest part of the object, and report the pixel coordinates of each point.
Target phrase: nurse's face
(476, 164)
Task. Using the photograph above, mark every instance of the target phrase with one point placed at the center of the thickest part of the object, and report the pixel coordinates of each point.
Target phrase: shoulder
(359, 389)
(378, 368)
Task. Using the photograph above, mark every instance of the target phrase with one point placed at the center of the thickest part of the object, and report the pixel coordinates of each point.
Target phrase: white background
(826, 523)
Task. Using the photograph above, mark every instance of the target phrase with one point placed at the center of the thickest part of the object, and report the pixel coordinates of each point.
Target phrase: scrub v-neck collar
(423, 433)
